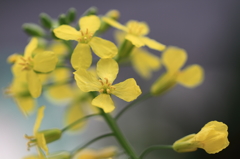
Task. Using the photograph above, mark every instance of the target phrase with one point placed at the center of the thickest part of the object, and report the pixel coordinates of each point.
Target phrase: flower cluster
(67, 75)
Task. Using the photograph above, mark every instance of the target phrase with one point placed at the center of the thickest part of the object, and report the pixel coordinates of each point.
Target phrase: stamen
(101, 90)
(28, 137)
(106, 80)
(82, 33)
(108, 91)
(101, 82)
(23, 59)
(87, 31)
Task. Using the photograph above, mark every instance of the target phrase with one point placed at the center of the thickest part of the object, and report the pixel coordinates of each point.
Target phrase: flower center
(26, 63)
(135, 28)
(85, 36)
(107, 87)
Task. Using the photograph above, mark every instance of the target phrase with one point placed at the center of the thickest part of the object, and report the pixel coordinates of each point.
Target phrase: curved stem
(78, 121)
(143, 97)
(152, 148)
(92, 141)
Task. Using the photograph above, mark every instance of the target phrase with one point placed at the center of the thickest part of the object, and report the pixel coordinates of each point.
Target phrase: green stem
(78, 121)
(152, 148)
(92, 141)
(143, 97)
(124, 50)
(118, 134)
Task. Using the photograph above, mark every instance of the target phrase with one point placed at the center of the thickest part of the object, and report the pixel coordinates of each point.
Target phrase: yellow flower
(43, 62)
(143, 62)
(41, 138)
(18, 90)
(96, 154)
(212, 138)
(81, 56)
(136, 32)
(107, 70)
(173, 59)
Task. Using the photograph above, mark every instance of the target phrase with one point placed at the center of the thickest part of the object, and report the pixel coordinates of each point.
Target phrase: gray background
(208, 30)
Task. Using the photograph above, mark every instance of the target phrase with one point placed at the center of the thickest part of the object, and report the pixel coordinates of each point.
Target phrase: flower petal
(107, 68)
(26, 104)
(138, 28)
(73, 113)
(86, 81)
(103, 48)
(40, 115)
(89, 23)
(81, 57)
(144, 62)
(174, 58)
(153, 44)
(127, 90)
(32, 45)
(60, 92)
(105, 102)
(115, 24)
(191, 76)
(67, 32)
(41, 142)
(34, 84)
(136, 40)
(45, 61)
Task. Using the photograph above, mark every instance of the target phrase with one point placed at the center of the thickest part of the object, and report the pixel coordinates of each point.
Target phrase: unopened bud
(71, 15)
(46, 20)
(33, 29)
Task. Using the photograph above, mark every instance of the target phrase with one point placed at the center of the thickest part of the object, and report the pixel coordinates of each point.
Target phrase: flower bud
(62, 19)
(113, 14)
(71, 15)
(185, 144)
(46, 20)
(90, 11)
(51, 134)
(33, 29)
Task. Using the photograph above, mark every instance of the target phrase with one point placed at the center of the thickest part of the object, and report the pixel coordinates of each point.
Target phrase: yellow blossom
(173, 59)
(81, 56)
(136, 33)
(18, 90)
(107, 70)
(96, 154)
(41, 138)
(43, 62)
(144, 63)
(212, 138)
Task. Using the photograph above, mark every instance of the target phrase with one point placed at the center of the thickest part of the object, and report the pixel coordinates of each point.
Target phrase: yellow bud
(185, 144)
(114, 14)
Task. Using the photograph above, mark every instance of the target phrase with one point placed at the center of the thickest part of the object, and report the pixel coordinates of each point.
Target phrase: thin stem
(118, 134)
(124, 50)
(152, 148)
(92, 141)
(78, 121)
(141, 98)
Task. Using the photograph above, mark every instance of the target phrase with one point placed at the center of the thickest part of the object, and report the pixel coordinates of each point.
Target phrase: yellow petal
(107, 152)
(115, 24)
(191, 76)
(86, 154)
(86, 81)
(40, 115)
(137, 28)
(127, 90)
(90, 23)
(144, 62)
(32, 45)
(153, 44)
(136, 40)
(61, 75)
(174, 58)
(34, 84)
(73, 113)
(107, 68)
(41, 142)
(81, 57)
(26, 104)
(59, 48)
(103, 48)
(67, 32)
(105, 102)
(45, 62)
(17, 69)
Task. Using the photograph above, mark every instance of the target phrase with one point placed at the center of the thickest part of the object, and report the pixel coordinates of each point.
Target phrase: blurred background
(207, 30)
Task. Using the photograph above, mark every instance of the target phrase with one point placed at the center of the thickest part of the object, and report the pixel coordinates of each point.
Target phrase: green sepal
(45, 20)
(51, 134)
(33, 29)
